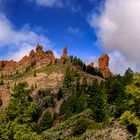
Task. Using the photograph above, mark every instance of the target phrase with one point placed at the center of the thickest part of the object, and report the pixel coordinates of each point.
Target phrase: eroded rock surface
(103, 65)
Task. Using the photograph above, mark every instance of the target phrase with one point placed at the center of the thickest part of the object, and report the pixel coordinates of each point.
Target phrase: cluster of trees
(20, 119)
(116, 97)
(91, 70)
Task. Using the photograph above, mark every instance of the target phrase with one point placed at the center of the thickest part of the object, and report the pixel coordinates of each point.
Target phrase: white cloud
(92, 59)
(19, 41)
(119, 31)
(48, 3)
(22, 51)
(75, 31)
(119, 63)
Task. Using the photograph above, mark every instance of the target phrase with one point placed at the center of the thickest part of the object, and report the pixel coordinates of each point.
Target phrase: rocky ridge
(39, 57)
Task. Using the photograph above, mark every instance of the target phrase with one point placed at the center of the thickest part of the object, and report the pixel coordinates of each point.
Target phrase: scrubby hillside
(67, 100)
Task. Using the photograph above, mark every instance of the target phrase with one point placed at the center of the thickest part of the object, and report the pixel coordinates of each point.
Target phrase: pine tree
(84, 67)
(8, 85)
(1, 82)
(2, 76)
(34, 73)
(35, 85)
(128, 76)
(32, 87)
(60, 94)
(17, 72)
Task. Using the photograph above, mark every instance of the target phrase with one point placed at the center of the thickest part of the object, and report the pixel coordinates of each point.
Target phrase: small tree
(84, 67)
(32, 87)
(1, 82)
(17, 72)
(35, 85)
(46, 121)
(34, 73)
(0, 101)
(60, 94)
(8, 85)
(2, 76)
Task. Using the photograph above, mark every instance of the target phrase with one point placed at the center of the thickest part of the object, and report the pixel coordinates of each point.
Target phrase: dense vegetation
(91, 70)
(87, 107)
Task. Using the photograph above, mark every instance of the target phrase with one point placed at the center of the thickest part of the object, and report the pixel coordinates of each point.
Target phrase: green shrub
(80, 126)
(46, 121)
(1, 82)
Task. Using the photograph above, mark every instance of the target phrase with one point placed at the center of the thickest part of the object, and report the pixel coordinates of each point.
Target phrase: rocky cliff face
(103, 65)
(37, 58)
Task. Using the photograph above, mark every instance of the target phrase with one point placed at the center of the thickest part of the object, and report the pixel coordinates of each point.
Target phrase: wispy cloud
(68, 4)
(19, 42)
(75, 31)
(118, 30)
(49, 3)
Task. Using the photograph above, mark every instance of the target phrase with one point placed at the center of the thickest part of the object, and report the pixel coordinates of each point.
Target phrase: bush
(0, 101)
(60, 94)
(46, 121)
(80, 126)
(1, 82)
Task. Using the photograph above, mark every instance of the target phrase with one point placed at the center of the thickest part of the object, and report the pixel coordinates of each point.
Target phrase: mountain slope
(65, 99)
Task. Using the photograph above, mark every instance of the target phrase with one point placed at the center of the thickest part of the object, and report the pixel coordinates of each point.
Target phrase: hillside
(42, 97)
(40, 68)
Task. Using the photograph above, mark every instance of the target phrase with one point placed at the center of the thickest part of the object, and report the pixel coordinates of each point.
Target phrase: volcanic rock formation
(39, 58)
(103, 65)
(64, 55)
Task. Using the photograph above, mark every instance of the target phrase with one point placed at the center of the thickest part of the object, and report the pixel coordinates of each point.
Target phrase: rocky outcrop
(91, 65)
(4, 96)
(38, 57)
(103, 65)
(32, 54)
(43, 58)
(64, 56)
(50, 55)
(4, 63)
(39, 48)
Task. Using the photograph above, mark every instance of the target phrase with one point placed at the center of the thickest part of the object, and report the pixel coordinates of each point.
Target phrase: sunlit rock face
(37, 57)
(103, 65)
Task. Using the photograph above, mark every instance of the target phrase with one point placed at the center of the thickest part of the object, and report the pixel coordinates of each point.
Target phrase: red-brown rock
(50, 55)
(64, 55)
(91, 65)
(32, 54)
(103, 65)
(39, 48)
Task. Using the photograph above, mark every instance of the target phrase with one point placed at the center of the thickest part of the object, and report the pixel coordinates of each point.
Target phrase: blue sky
(88, 27)
(62, 22)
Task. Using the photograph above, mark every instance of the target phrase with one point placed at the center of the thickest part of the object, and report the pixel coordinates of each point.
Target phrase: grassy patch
(53, 68)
